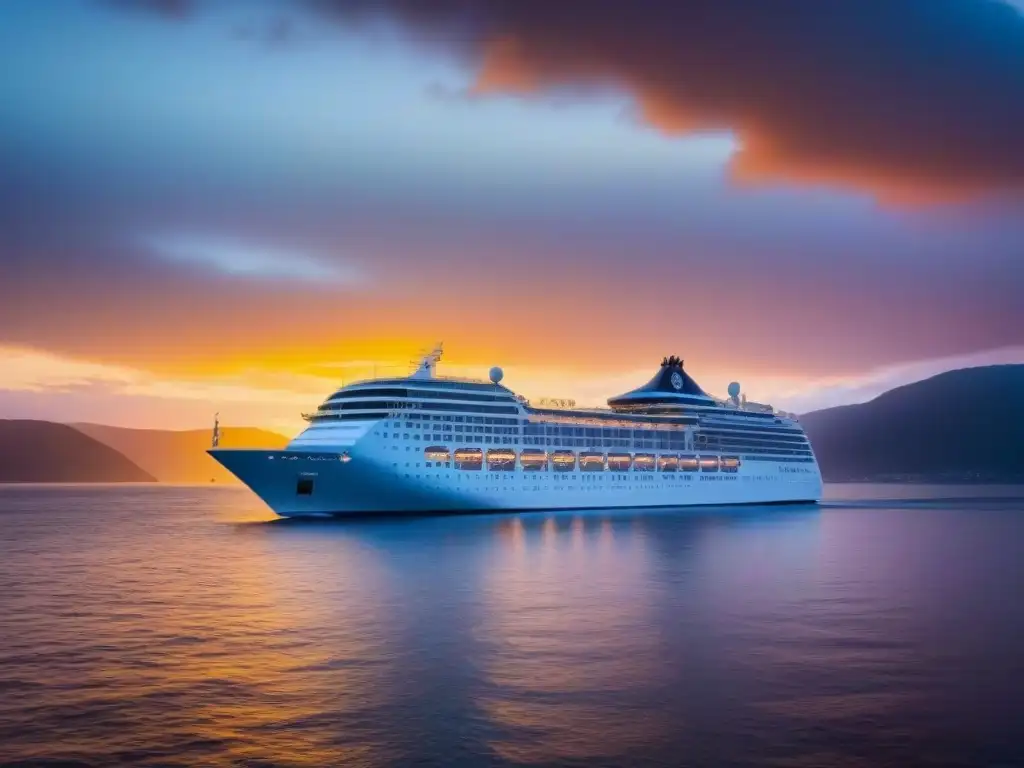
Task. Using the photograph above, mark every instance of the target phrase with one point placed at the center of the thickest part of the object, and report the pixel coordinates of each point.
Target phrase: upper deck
(670, 399)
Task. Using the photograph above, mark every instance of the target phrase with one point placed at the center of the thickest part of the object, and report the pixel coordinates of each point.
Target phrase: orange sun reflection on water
(558, 605)
(267, 646)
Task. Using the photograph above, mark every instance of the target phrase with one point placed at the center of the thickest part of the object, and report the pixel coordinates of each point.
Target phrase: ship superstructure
(421, 443)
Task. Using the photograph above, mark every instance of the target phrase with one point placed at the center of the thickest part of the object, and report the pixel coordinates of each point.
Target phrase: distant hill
(44, 452)
(960, 425)
(180, 457)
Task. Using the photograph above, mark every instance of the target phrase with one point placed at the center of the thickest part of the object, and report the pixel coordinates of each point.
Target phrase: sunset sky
(236, 206)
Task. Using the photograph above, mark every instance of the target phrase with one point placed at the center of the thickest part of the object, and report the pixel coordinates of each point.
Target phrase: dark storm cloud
(919, 98)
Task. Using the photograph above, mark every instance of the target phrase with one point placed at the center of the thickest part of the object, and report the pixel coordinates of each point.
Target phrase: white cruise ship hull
(420, 444)
(297, 483)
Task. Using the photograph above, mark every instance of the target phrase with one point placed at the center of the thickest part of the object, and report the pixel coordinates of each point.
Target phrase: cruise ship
(424, 443)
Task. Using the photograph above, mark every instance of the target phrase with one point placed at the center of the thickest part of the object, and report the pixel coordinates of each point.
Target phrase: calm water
(178, 626)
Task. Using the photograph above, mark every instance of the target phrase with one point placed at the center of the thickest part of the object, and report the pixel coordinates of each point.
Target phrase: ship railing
(641, 410)
(570, 409)
(460, 379)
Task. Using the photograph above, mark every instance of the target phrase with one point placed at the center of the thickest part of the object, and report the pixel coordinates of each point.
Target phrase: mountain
(180, 457)
(44, 452)
(960, 425)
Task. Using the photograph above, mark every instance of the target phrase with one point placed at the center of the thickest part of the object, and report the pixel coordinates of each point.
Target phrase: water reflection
(166, 626)
(565, 639)
(321, 653)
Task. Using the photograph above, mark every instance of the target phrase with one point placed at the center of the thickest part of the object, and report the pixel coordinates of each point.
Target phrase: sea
(186, 626)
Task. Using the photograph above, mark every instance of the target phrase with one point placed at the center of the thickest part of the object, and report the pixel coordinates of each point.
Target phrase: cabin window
(304, 486)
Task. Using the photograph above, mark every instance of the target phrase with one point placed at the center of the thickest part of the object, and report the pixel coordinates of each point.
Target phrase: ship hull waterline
(295, 483)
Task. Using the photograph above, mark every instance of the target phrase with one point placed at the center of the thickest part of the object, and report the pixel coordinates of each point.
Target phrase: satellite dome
(496, 374)
(734, 389)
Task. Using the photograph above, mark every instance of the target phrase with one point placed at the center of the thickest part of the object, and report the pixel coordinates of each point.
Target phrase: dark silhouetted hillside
(44, 452)
(960, 425)
(180, 457)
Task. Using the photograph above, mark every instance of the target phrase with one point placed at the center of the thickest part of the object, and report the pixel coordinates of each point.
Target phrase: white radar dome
(496, 374)
(734, 389)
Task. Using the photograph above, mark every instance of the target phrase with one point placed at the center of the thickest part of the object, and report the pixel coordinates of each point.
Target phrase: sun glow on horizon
(35, 384)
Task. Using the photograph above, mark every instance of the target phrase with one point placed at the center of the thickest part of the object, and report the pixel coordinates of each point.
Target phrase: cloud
(43, 385)
(912, 99)
(170, 9)
(915, 100)
(34, 371)
(30, 370)
(275, 31)
(233, 257)
(40, 384)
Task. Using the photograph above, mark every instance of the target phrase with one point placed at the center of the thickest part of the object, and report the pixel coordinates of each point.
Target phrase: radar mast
(429, 362)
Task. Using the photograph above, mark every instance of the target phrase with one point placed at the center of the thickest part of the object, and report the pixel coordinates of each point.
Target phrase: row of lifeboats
(531, 459)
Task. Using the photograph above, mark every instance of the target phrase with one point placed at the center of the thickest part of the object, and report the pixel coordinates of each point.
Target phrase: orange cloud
(915, 100)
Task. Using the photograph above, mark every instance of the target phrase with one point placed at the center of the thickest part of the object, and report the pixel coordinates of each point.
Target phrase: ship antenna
(429, 362)
(216, 429)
